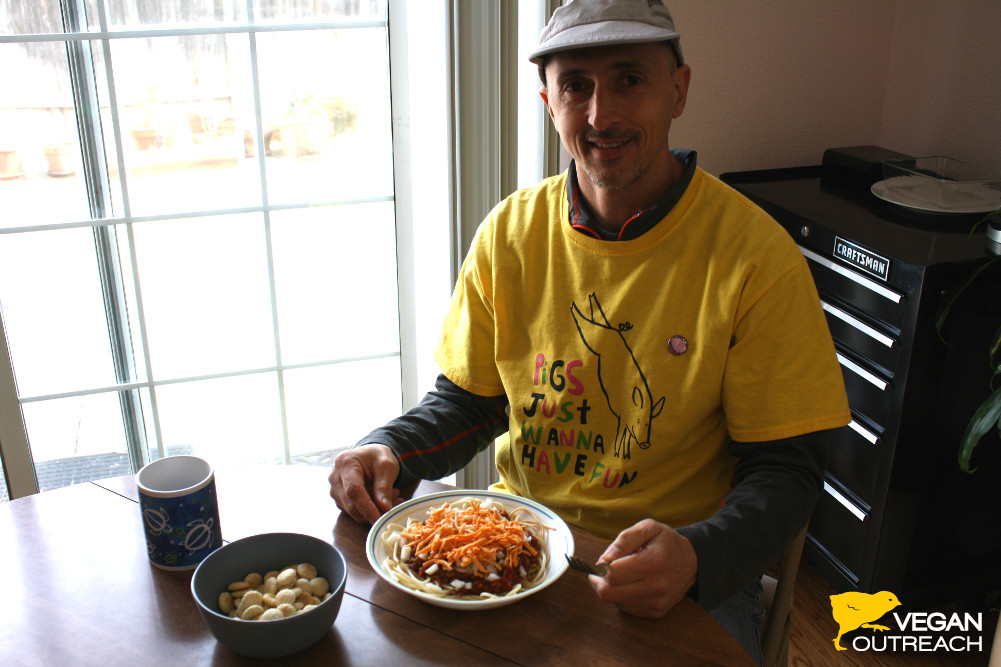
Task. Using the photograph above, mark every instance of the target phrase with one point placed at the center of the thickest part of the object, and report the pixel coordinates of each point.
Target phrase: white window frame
(487, 44)
(15, 451)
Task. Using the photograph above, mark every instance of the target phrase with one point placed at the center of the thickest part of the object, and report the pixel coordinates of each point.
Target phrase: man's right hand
(362, 482)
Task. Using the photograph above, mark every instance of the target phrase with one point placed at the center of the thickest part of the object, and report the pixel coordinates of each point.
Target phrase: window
(206, 227)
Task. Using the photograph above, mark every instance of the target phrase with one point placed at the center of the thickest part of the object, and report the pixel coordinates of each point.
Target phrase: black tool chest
(897, 513)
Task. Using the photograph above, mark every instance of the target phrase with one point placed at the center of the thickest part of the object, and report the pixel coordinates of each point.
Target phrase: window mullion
(96, 177)
(402, 194)
(87, 107)
(115, 308)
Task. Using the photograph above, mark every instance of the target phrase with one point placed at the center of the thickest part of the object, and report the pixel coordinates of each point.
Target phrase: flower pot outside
(148, 138)
(303, 137)
(59, 158)
(10, 165)
(250, 145)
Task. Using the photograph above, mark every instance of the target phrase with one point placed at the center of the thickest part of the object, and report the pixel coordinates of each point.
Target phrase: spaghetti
(470, 549)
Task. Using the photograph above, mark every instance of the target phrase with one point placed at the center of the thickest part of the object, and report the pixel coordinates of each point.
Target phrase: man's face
(613, 108)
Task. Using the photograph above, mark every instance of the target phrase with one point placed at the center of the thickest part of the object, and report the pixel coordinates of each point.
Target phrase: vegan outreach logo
(918, 631)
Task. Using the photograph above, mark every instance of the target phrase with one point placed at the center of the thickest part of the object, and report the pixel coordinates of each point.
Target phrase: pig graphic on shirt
(620, 376)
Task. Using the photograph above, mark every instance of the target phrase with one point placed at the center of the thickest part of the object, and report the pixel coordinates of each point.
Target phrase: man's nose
(603, 111)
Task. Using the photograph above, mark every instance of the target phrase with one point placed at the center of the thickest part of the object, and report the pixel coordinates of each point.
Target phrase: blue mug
(180, 512)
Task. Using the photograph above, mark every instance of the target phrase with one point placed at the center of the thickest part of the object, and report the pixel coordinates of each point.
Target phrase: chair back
(777, 598)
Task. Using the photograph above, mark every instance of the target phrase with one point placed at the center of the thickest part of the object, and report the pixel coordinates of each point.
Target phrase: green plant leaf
(983, 419)
(994, 356)
(946, 306)
(983, 220)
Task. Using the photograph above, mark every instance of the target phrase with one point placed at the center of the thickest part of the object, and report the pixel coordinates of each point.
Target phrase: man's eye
(574, 87)
(632, 80)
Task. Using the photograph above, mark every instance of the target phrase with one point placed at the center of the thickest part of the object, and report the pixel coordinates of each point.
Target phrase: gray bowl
(262, 553)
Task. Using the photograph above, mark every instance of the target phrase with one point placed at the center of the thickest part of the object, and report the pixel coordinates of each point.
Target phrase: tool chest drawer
(869, 389)
(878, 300)
(859, 333)
(840, 525)
(854, 456)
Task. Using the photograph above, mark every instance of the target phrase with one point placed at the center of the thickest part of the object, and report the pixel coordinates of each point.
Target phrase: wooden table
(78, 589)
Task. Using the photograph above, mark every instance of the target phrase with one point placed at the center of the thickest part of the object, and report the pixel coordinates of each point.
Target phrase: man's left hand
(651, 566)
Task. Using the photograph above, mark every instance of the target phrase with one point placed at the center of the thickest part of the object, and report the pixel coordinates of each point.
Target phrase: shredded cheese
(468, 537)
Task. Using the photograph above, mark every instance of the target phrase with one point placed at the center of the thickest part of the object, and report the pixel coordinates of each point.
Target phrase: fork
(582, 565)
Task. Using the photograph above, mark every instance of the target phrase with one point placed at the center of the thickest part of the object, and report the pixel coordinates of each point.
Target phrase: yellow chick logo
(853, 610)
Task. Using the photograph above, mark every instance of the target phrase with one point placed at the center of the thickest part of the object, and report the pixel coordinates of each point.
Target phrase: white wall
(776, 83)
(943, 96)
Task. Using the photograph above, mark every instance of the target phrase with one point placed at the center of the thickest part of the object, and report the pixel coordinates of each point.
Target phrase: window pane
(231, 420)
(325, 108)
(333, 407)
(186, 109)
(76, 439)
(335, 282)
(329, 10)
(147, 13)
(53, 308)
(18, 17)
(40, 151)
(39, 144)
(206, 295)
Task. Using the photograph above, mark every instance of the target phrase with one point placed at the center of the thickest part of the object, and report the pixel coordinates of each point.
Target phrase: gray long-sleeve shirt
(774, 488)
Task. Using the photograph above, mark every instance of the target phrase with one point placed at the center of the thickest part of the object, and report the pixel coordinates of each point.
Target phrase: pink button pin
(677, 345)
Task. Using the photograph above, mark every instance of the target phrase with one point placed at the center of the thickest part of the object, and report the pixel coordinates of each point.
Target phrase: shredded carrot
(469, 537)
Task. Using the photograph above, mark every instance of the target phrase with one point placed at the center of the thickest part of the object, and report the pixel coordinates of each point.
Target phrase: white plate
(558, 542)
(918, 194)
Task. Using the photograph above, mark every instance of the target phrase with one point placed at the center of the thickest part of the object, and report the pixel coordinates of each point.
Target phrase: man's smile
(608, 147)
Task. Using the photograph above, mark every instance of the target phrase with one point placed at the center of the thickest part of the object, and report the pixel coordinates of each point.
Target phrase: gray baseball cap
(580, 24)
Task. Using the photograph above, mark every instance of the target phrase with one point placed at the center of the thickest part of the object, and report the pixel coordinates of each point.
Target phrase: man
(648, 342)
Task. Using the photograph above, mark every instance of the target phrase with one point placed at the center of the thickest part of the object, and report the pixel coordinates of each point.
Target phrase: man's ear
(544, 94)
(682, 78)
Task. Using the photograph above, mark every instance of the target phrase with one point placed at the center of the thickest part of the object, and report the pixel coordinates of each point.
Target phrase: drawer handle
(863, 431)
(858, 324)
(861, 372)
(849, 505)
(851, 275)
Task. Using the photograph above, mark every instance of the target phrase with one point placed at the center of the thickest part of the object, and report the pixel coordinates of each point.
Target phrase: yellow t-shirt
(608, 425)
